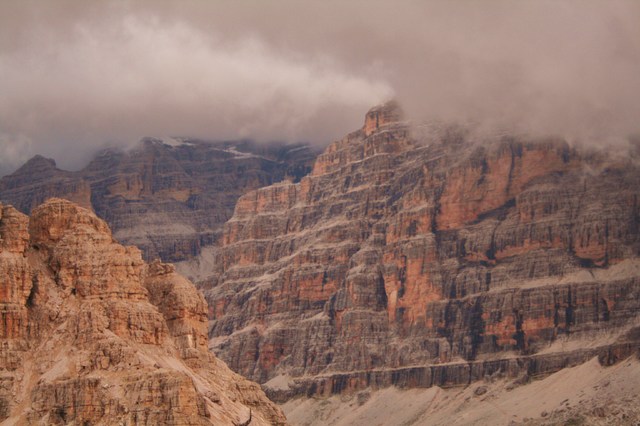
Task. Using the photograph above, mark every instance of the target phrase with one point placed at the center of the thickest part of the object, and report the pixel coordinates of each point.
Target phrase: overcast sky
(76, 76)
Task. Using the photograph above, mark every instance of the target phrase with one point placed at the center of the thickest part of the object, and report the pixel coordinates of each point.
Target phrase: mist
(79, 76)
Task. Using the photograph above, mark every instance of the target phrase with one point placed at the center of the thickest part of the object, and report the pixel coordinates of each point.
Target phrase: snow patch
(238, 154)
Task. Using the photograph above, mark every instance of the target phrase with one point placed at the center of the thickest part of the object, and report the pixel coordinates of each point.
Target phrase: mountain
(587, 394)
(438, 258)
(39, 179)
(91, 334)
(430, 256)
(167, 197)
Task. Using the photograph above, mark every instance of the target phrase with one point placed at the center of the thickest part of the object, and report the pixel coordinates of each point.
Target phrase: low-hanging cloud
(115, 82)
(76, 76)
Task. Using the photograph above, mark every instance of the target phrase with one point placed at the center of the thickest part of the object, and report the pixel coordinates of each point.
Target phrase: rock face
(588, 394)
(429, 258)
(91, 334)
(39, 179)
(169, 199)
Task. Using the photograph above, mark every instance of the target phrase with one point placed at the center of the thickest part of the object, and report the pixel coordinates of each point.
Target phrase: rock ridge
(409, 249)
(168, 197)
(91, 334)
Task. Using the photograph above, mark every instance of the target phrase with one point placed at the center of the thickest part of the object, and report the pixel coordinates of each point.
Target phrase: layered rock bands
(91, 334)
(169, 198)
(437, 249)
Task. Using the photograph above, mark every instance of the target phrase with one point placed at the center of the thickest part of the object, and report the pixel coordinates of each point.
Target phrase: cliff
(169, 198)
(91, 334)
(430, 257)
(588, 394)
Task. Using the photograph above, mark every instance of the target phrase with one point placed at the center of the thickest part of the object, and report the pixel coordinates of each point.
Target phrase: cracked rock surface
(91, 334)
(433, 256)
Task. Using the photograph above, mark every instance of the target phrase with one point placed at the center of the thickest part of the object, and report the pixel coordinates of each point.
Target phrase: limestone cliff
(169, 198)
(430, 257)
(91, 334)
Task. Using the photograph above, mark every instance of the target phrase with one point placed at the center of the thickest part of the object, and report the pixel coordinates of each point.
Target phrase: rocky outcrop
(91, 334)
(435, 249)
(39, 179)
(167, 197)
(587, 394)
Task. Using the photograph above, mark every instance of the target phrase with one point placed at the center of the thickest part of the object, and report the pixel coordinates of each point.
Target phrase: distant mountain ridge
(169, 197)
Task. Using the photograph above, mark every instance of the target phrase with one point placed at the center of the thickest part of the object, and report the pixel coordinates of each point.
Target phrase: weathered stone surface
(39, 179)
(91, 334)
(169, 200)
(450, 374)
(404, 250)
(586, 394)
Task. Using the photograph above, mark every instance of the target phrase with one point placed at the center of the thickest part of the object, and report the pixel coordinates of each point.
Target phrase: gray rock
(411, 262)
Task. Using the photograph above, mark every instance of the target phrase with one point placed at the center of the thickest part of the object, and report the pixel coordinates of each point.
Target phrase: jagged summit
(383, 133)
(168, 200)
(39, 179)
(91, 334)
(37, 164)
(382, 115)
(417, 264)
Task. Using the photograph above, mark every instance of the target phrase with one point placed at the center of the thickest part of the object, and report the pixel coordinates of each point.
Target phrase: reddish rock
(403, 251)
(168, 199)
(90, 334)
(380, 116)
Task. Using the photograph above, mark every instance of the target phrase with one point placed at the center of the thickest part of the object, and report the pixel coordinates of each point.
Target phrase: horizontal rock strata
(417, 247)
(167, 198)
(449, 374)
(91, 334)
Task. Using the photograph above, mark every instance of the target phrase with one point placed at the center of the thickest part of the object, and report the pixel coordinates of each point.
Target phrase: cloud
(77, 75)
(120, 80)
(14, 150)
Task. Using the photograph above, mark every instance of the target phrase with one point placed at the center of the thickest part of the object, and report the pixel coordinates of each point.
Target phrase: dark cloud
(78, 75)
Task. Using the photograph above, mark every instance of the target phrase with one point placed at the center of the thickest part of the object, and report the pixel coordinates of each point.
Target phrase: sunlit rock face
(91, 334)
(168, 197)
(421, 256)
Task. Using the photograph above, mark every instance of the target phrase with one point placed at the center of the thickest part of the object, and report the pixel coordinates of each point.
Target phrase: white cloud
(14, 150)
(138, 77)
(76, 75)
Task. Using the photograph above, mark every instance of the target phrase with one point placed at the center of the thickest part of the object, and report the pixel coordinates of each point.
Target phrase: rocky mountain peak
(37, 180)
(14, 235)
(37, 168)
(91, 334)
(383, 133)
(421, 262)
(169, 197)
(57, 217)
(382, 115)
(39, 163)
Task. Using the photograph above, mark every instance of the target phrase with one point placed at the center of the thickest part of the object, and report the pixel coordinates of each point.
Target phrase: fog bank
(77, 76)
